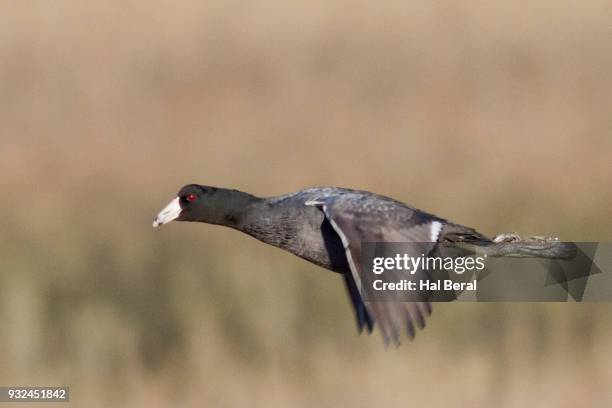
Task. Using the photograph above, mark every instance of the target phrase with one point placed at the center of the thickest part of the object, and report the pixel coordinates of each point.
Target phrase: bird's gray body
(298, 228)
(326, 226)
(292, 224)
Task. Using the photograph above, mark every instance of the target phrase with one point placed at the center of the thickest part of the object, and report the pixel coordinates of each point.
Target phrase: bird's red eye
(191, 198)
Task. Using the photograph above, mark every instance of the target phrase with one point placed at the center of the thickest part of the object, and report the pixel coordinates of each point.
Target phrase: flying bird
(326, 226)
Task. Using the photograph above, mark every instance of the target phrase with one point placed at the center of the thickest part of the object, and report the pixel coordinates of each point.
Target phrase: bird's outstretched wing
(361, 219)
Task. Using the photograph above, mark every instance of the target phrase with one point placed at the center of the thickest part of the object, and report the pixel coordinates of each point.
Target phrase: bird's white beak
(169, 213)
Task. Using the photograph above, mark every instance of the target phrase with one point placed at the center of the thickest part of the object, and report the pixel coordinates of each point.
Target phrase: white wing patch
(314, 203)
(436, 227)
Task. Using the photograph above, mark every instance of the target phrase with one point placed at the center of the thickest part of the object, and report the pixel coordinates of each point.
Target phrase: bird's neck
(265, 220)
(236, 208)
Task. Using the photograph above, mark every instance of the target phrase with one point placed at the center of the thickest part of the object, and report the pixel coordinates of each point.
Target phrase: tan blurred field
(496, 115)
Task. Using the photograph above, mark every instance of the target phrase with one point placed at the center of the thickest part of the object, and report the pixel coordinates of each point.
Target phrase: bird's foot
(507, 237)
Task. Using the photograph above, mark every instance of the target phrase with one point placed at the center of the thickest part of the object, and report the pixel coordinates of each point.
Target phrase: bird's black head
(207, 204)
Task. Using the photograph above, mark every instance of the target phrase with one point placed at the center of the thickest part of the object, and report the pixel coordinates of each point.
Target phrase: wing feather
(357, 221)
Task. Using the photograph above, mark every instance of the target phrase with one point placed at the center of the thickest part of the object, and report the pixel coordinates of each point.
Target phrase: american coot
(326, 226)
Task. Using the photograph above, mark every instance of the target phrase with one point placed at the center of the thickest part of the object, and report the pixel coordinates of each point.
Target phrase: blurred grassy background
(493, 114)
